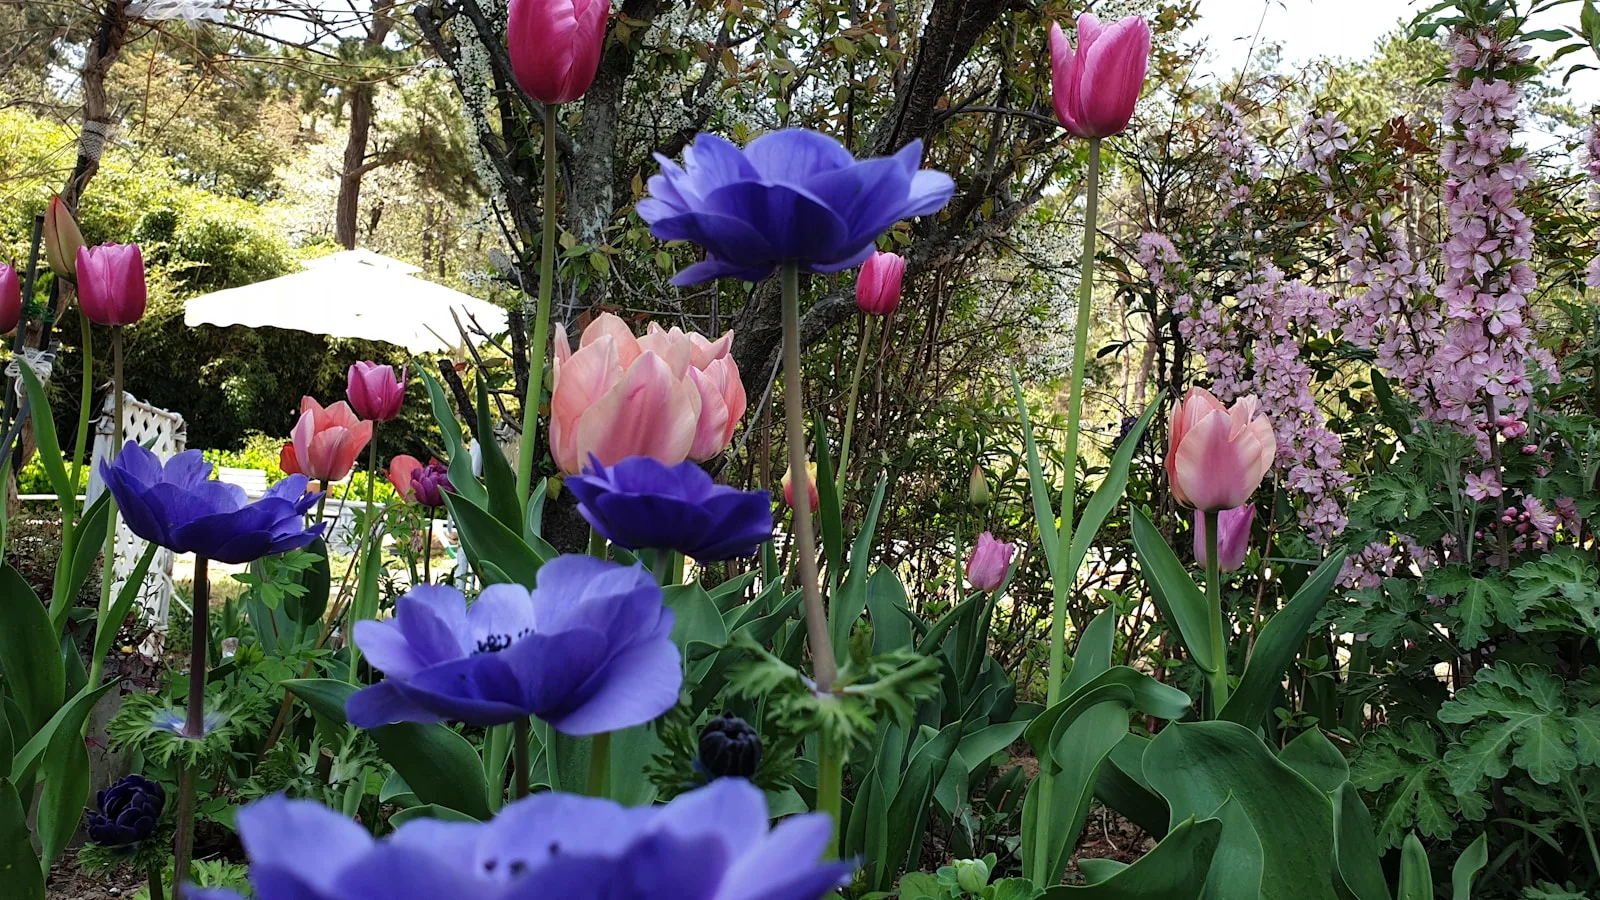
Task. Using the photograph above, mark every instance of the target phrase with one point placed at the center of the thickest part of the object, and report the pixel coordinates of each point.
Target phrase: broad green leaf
(19, 870)
(1109, 493)
(1317, 760)
(978, 746)
(67, 720)
(1175, 870)
(438, 764)
(318, 582)
(1403, 766)
(30, 655)
(908, 809)
(1199, 766)
(1480, 601)
(500, 483)
(850, 601)
(1081, 740)
(65, 774)
(1467, 867)
(462, 481)
(44, 437)
(935, 636)
(1093, 657)
(695, 617)
(1122, 786)
(886, 603)
(1143, 692)
(1277, 645)
(1044, 514)
(1174, 592)
(828, 507)
(88, 540)
(1516, 716)
(487, 540)
(1416, 878)
(1356, 857)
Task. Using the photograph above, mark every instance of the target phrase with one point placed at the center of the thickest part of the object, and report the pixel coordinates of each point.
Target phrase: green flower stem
(599, 764)
(427, 547)
(367, 534)
(520, 764)
(69, 504)
(661, 566)
(541, 324)
(830, 786)
(597, 544)
(855, 392)
(1217, 679)
(1065, 580)
(97, 665)
(153, 873)
(194, 722)
(1583, 820)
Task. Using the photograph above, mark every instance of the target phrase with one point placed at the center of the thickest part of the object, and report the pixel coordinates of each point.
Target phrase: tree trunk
(362, 96)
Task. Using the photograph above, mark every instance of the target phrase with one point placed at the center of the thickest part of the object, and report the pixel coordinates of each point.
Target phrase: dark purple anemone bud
(715, 843)
(430, 483)
(642, 503)
(730, 747)
(588, 650)
(126, 812)
(179, 507)
(791, 196)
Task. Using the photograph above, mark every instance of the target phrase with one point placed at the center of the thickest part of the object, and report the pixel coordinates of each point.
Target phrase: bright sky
(1309, 29)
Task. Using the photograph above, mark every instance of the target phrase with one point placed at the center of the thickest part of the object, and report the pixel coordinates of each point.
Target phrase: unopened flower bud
(729, 747)
(978, 487)
(972, 875)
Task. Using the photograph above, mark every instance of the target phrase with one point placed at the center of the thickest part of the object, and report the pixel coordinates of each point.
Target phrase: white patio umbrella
(352, 294)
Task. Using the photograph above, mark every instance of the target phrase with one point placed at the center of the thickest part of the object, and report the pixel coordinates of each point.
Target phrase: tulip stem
(597, 544)
(1065, 580)
(194, 726)
(599, 764)
(427, 547)
(661, 567)
(855, 392)
(520, 765)
(541, 323)
(370, 526)
(69, 504)
(109, 552)
(1218, 676)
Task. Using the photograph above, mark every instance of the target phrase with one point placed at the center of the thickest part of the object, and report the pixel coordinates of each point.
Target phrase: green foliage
(1522, 716)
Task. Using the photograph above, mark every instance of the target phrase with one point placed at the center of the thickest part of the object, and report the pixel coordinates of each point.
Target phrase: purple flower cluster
(1592, 165)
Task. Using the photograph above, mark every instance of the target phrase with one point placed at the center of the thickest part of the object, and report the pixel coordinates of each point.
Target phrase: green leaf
(1200, 766)
(1416, 878)
(44, 436)
(1123, 787)
(533, 521)
(88, 540)
(65, 773)
(908, 809)
(1180, 601)
(465, 484)
(1080, 742)
(1143, 693)
(30, 655)
(1479, 601)
(19, 870)
(1109, 493)
(978, 746)
(428, 811)
(1317, 760)
(886, 603)
(1356, 856)
(1175, 870)
(1277, 645)
(1468, 865)
(1044, 514)
(1518, 717)
(438, 764)
(847, 604)
(67, 720)
(317, 579)
(487, 540)
(1093, 657)
(695, 617)
(828, 508)
(499, 481)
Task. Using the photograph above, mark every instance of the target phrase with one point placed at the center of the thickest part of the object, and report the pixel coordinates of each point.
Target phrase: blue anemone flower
(642, 503)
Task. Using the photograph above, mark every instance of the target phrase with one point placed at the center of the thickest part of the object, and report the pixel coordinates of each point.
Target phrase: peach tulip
(327, 440)
(811, 486)
(668, 395)
(1217, 455)
(400, 471)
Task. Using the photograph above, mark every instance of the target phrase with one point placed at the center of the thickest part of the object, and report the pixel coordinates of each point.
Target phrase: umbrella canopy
(353, 294)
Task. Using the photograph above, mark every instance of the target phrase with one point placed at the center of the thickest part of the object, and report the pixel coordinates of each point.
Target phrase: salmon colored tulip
(811, 485)
(668, 395)
(374, 391)
(1217, 455)
(555, 46)
(111, 287)
(10, 299)
(62, 240)
(878, 284)
(287, 461)
(1233, 536)
(327, 440)
(1096, 84)
(400, 471)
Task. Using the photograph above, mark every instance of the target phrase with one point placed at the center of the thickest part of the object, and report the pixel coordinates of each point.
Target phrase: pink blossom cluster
(1380, 559)
(1533, 524)
(1241, 153)
(1592, 163)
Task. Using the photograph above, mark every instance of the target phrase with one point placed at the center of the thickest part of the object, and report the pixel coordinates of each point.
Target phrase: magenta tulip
(1097, 84)
(374, 392)
(1233, 536)
(555, 46)
(1217, 455)
(990, 561)
(878, 285)
(111, 283)
(10, 299)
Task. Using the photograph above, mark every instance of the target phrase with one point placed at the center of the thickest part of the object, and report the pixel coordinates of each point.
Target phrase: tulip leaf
(1468, 865)
(828, 506)
(88, 539)
(68, 720)
(1121, 785)
(30, 656)
(438, 764)
(1356, 855)
(908, 809)
(978, 746)
(1145, 694)
(317, 579)
(1044, 514)
(1096, 645)
(1081, 740)
(1416, 878)
(1109, 493)
(533, 521)
(1317, 760)
(1175, 870)
(44, 437)
(887, 604)
(930, 642)
(487, 540)
(65, 773)
(428, 811)
(1280, 639)
(1174, 592)
(695, 617)
(462, 480)
(850, 601)
(19, 870)
(498, 479)
(110, 624)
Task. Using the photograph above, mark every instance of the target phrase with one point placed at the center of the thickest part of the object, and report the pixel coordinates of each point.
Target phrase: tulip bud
(374, 391)
(555, 46)
(1217, 455)
(978, 487)
(62, 240)
(1233, 536)
(111, 288)
(878, 284)
(400, 471)
(811, 484)
(10, 299)
(1096, 84)
(431, 482)
(972, 875)
(990, 561)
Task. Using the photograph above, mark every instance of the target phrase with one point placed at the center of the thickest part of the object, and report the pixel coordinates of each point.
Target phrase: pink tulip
(668, 395)
(555, 46)
(811, 487)
(1216, 455)
(111, 283)
(400, 472)
(1097, 84)
(1233, 536)
(328, 440)
(990, 560)
(878, 285)
(10, 299)
(374, 392)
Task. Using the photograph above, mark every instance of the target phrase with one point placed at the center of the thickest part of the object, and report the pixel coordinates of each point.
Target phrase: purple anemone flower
(179, 507)
(588, 650)
(126, 812)
(644, 503)
(714, 843)
(790, 196)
